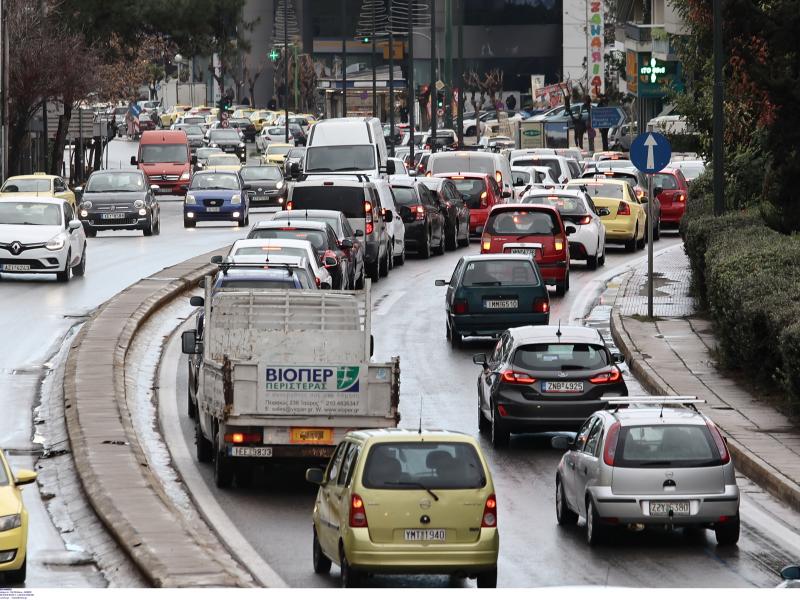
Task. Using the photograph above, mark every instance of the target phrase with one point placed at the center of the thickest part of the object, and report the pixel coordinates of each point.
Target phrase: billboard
(596, 45)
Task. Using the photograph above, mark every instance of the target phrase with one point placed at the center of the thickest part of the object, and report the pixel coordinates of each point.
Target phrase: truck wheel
(223, 471)
(203, 446)
(374, 270)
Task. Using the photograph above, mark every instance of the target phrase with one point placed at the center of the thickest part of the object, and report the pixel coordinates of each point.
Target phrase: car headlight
(86, 204)
(189, 199)
(138, 204)
(278, 185)
(185, 175)
(241, 144)
(212, 145)
(10, 522)
(236, 199)
(57, 243)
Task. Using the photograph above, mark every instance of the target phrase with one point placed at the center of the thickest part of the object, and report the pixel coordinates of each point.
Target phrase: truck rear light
(243, 437)
(370, 228)
(607, 377)
(358, 516)
(541, 305)
(623, 209)
(722, 447)
(610, 451)
(461, 307)
(517, 377)
(490, 512)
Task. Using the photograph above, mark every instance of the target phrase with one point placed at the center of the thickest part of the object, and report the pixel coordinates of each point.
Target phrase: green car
(490, 293)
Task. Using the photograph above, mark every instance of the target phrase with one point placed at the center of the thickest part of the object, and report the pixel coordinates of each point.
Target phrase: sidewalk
(672, 356)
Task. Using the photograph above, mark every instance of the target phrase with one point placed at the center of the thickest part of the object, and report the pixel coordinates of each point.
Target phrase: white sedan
(588, 242)
(257, 249)
(41, 235)
(271, 134)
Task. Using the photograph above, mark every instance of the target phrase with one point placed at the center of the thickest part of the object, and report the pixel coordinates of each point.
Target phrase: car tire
(425, 251)
(451, 243)
(727, 533)
(487, 579)
(374, 270)
(79, 270)
(630, 245)
(189, 224)
(561, 288)
(385, 263)
(564, 514)
(351, 578)
(595, 530)
(322, 564)
(89, 231)
(400, 259)
(147, 229)
(191, 409)
(499, 433)
(657, 232)
(157, 228)
(65, 275)
(18, 575)
(464, 242)
(484, 424)
(591, 262)
(223, 472)
(453, 337)
(602, 260)
(203, 449)
(439, 250)
(642, 242)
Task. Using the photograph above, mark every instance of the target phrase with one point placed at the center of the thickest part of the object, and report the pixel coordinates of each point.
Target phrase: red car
(480, 193)
(674, 191)
(533, 229)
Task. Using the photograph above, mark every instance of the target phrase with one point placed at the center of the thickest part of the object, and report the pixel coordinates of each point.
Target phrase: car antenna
(558, 331)
(420, 415)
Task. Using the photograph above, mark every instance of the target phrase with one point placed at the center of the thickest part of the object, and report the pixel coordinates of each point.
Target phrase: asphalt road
(408, 320)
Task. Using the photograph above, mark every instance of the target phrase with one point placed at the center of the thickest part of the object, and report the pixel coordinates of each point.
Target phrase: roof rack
(225, 266)
(661, 401)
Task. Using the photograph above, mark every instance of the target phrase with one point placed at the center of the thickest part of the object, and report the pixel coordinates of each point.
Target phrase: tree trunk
(57, 158)
(16, 144)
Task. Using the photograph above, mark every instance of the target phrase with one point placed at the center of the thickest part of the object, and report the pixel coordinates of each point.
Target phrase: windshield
(666, 446)
(115, 182)
(423, 465)
(214, 181)
(566, 205)
(614, 164)
(473, 190)
(224, 135)
(164, 153)
(560, 357)
(277, 150)
(329, 159)
(405, 196)
(317, 238)
(522, 223)
(194, 120)
(255, 173)
(597, 189)
(553, 163)
(27, 185)
(223, 160)
(29, 213)
(193, 130)
(349, 200)
(482, 273)
(444, 163)
(665, 181)
(520, 177)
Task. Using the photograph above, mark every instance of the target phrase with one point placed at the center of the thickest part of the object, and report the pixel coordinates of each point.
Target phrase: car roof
(540, 193)
(333, 181)
(506, 207)
(470, 174)
(570, 334)
(592, 180)
(497, 256)
(33, 198)
(304, 214)
(643, 415)
(260, 274)
(34, 176)
(404, 181)
(374, 436)
(281, 223)
(256, 243)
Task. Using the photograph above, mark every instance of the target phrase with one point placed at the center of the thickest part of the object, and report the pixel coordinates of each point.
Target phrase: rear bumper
(553, 273)
(620, 228)
(672, 214)
(703, 508)
(495, 324)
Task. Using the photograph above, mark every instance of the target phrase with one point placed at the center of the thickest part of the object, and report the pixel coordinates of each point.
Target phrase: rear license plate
(112, 216)
(531, 251)
(247, 451)
(567, 387)
(663, 508)
(501, 303)
(306, 435)
(212, 209)
(16, 267)
(425, 535)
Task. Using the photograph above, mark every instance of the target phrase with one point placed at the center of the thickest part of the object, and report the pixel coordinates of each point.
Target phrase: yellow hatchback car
(223, 162)
(398, 501)
(13, 522)
(39, 184)
(626, 221)
(275, 154)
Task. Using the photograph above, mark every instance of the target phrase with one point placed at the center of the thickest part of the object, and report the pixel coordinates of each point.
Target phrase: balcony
(638, 37)
(663, 48)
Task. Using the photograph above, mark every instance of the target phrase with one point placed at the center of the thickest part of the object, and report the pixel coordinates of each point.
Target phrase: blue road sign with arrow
(650, 152)
(607, 117)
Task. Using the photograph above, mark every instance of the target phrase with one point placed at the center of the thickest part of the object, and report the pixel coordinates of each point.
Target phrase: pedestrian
(578, 123)
(603, 101)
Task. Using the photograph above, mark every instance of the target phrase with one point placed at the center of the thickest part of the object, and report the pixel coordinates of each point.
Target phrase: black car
(294, 156)
(456, 211)
(422, 216)
(246, 127)
(227, 140)
(544, 378)
(298, 134)
(349, 241)
(119, 199)
(267, 183)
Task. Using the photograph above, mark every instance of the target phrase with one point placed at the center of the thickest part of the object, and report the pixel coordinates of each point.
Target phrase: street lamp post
(718, 150)
(433, 90)
(412, 97)
(286, 70)
(178, 59)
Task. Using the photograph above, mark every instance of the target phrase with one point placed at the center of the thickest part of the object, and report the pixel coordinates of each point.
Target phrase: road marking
(387, 302)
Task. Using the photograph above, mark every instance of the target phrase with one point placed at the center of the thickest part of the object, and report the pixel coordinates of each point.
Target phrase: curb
(747, 463)
(111, 465)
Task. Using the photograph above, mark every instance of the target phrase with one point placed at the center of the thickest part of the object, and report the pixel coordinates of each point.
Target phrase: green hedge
(748, 277)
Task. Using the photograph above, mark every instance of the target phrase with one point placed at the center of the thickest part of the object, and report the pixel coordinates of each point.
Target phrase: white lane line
(182, 457)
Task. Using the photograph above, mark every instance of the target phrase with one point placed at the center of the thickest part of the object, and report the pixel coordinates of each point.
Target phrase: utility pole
(433, 90)
(344, 58)
(286, 69)
(391, 92)
(719, 122)
(460, 78)
(4, 90)
(448, 63)
(374, 77)
(412, 96)
(44, 144)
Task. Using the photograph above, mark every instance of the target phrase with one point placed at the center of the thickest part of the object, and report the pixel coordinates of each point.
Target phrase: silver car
(651, 463)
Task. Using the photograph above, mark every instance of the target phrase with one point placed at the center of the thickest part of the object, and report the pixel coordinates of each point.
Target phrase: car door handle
(571, 465)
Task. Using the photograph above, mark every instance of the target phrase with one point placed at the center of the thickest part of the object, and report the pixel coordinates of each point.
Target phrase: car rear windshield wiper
(573, 368)
(480, 283)
(415, 484)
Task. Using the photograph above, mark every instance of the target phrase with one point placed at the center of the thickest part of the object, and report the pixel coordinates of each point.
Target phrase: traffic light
(224, 104)
(439, 100)
(366, 39)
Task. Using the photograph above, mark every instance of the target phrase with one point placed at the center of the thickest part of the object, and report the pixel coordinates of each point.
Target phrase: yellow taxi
(38, 184)
(13, 522)
(223, 162)
(168, 118)
(310, 118)
(275, 153)
(405, 502)
(626, 221)
(260, 118)
(243, 113)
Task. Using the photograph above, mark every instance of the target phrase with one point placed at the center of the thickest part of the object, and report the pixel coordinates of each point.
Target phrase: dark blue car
(216, 196)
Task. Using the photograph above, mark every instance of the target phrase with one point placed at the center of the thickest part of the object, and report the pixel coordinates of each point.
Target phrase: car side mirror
(506, 194)
(618, 357)
(78, 190)
(359, 233)
(24, 477)
(479, 359)
(440, 283)
(791, 572)
(330, 262)
(390, 167)
(657, 191)
(315, 476)
(294, 170)
(134, 162)
(562, 442)
(194, 160)
(189, 342)
(74, 225)
(216, 260)
(155, 188)
(197, 301)
(346, 244)
(388, 216)
(603, 212)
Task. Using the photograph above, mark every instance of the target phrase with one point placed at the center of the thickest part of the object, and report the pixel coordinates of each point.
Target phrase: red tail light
(289, 205)
(490, 512)
(461, 307)
(623, 209)
(243, 438)
(418, 211)
(610, 451)
(608, 377)
(681, 197)
(486, 244)
(584, 220)
(541, 305)
(722, 447)
(517, 377)
(319, 283)
(358, 516)
(370, 227)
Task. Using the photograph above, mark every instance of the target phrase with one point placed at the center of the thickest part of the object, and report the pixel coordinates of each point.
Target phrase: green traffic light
(365, 40)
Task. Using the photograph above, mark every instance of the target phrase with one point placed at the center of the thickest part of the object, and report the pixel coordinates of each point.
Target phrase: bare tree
(251, 75)
(492, 85)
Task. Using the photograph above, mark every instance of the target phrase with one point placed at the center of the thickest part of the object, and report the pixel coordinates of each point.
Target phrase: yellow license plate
(316, 435)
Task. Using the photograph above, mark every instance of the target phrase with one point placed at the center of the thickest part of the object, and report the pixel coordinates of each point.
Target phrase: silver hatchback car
(656, 462)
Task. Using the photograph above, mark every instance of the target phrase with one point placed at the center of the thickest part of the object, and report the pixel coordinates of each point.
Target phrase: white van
(347, 146)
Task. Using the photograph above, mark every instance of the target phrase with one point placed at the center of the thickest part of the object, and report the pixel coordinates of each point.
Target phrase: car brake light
(318, 281)
(517, 377)
(490, 512)
(541, 305)
(722, 447)
(460, 307)
(239, 437)
(610, 451)
(486, 244)
(289, 205)
(607, 377)
(358, 516)
(584, 220)
(681, 198)
(623, 209)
